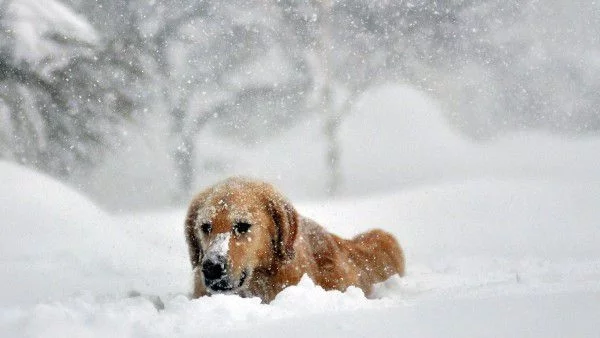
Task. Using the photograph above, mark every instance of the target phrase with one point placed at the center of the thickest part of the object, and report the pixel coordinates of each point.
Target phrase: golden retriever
(245, 238)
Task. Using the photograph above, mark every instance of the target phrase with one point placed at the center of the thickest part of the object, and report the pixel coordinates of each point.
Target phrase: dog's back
(336, 263)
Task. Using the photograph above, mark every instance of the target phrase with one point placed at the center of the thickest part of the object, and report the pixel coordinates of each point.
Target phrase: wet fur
(282, 245)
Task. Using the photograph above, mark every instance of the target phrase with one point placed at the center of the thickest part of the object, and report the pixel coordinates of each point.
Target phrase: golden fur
(280, 246)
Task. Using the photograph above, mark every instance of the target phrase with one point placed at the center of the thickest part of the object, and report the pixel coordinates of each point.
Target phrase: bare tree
(350, 47)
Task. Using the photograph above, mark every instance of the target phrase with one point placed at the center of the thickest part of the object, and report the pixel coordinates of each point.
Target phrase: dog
(246, 238)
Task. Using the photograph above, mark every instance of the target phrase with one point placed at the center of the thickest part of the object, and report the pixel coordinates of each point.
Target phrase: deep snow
(486, 257)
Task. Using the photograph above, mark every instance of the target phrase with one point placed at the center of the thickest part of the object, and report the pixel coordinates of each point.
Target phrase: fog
(140, 104)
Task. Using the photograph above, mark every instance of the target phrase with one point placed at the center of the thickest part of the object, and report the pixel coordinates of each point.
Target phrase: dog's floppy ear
(285, 219)
(194, 248)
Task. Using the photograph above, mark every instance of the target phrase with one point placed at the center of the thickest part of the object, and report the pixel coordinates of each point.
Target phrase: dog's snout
(214, 270)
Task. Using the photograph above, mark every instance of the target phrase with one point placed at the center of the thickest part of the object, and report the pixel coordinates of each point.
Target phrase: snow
(395, 138)
(501, 238)
(55, 243)
(271, 69)
(219, 247)
(487, 257)
(38, 28)
(417, 146)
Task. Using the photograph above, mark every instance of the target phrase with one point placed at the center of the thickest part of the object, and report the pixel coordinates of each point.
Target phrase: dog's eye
(241, 227)
(206, 228)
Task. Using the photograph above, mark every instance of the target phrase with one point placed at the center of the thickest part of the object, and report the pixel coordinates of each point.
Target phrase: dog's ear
(194, 248)
(285, 219)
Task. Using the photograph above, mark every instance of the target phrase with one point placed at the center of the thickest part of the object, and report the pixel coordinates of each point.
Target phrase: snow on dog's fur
(245, 238)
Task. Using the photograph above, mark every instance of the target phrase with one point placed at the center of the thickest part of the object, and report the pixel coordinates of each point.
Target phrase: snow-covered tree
(59, 106)
(349, 47)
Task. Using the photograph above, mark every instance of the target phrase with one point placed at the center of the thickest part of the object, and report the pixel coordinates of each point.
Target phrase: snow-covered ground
(487, 257)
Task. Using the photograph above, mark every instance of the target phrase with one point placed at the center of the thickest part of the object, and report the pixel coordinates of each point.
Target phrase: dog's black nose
(213, 270)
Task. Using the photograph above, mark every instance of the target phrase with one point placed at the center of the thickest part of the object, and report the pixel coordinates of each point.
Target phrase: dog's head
(236, 227)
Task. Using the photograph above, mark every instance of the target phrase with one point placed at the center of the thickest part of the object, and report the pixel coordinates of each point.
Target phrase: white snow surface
(219, 247)
(488, 257)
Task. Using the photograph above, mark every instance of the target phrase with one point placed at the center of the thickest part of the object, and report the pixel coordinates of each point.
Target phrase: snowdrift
(55, 243)
(487, 257)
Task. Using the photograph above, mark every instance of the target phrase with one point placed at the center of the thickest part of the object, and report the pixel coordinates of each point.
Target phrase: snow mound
(414, 145)
(417, 146)
(54, 241)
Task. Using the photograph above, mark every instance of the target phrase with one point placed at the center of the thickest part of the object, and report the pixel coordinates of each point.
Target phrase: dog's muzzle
(217, 278)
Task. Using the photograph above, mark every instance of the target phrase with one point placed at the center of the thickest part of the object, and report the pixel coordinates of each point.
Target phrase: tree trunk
(185, 161)
(328, 109)
(183, 155)
(333, 153)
